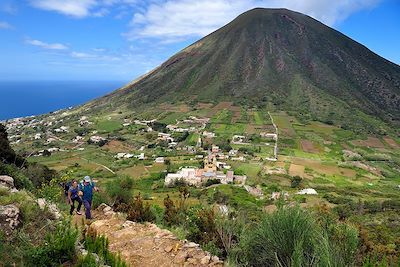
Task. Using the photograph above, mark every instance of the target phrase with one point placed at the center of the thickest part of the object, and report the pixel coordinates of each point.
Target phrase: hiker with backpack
(87, 188)
(66, 185)
(73, 195)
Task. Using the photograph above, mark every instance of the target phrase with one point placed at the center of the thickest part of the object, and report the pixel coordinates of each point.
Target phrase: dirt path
(277, 135)
(101, 165)
(147, 244)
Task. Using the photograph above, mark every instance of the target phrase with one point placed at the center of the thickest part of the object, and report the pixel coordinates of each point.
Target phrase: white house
(307, 191)
(159, 160)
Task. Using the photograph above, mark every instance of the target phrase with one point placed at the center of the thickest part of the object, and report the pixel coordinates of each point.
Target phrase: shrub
(220, 197)
(120, 191)
(138, 212)
(39, 174)
(296, 181)
(99, 245)
(99, 198)
(21, 181)
(203, 228)
(335, 199)
(170, 212)
(373, 206)
(292, 237)
(211, 182)
(58, 247)
(89, 260)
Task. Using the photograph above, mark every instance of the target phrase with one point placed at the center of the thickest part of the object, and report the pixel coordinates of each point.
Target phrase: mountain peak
(280, 58)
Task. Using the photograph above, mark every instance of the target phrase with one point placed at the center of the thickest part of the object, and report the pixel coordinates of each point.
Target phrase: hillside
(280, 59)
(272, 140)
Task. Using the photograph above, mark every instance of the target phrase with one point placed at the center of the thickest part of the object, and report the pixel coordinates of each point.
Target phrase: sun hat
(87, 179)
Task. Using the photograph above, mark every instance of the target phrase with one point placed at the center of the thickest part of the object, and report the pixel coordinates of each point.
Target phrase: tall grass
(99, 244)
(58, 247)
(292, 237)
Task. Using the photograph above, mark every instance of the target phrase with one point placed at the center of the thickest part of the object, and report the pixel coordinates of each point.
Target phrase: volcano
(280, 59)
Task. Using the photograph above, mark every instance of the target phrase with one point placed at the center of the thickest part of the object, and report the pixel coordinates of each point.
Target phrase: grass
(229, 129)
(223, 116)
(108, 125)
(192, 139)
(258, 118)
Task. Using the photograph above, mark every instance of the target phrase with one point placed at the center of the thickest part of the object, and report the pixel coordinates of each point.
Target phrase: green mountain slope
(279, 58)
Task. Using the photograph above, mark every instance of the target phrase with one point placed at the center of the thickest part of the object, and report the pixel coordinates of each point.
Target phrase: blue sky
(123, 39)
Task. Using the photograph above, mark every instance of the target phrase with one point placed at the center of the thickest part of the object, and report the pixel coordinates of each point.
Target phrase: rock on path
(149, 245)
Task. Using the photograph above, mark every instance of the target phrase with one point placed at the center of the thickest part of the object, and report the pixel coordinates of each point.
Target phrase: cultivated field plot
(284, 123)
(370, 142)
(391, 142)
(223, 116)
(308, 146)
(320, 167)
(236, 113)
(316, 127)
(220, 106)
(174, 108)
(115, 146)
(109, 125)
(135, 172)
(229, 129)
(296, 170)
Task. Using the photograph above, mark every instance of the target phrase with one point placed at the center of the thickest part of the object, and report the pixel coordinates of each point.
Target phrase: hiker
(73, 195)
(87, 188)
(66, 185)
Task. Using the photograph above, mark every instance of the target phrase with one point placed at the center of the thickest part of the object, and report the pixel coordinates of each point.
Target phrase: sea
(26, 98)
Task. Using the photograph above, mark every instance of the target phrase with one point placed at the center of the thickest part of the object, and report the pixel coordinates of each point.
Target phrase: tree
(170, 212)
(7, 154)
(296, 181)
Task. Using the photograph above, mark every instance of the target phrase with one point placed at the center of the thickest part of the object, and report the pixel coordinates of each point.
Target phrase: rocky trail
(138, 244)
(147, 244)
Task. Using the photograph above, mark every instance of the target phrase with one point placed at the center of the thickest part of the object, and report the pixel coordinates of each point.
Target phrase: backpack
(67, 185)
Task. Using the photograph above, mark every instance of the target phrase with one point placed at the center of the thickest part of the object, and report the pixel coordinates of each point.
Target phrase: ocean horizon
(27, 98)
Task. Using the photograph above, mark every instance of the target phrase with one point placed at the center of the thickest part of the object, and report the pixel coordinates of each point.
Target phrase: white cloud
(82, 55)
(174, 19)
(5, 25)
(75, 8)
(98, 57)
(8, 7)
(82, 8)
(54, 46)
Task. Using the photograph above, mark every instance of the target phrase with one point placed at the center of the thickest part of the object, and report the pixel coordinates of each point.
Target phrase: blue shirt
(74, 191)
(87, 191)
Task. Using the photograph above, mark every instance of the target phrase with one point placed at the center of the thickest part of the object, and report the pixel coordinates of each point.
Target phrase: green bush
(211, 182)
(99, 245)
(58, 247)
(21, 181)
(296, 181)
(202, 227)
(89, 260)
(120, 190)
(99, 198)
(292, 237)
(139, 212)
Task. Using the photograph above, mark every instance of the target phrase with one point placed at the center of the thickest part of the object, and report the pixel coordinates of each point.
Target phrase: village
(58, 132)
(57, 129)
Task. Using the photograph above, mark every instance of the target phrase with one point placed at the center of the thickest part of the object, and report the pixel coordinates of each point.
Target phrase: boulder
(7, 181)
(181, 257)
(205, 260)
(9, 218)
(53, 209)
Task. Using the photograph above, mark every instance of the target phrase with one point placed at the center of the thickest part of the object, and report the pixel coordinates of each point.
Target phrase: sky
(122, 39)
